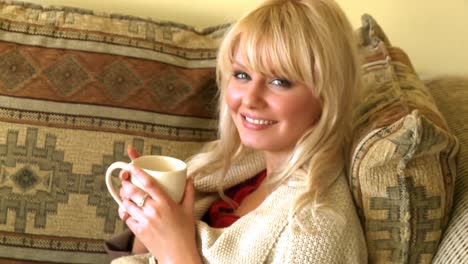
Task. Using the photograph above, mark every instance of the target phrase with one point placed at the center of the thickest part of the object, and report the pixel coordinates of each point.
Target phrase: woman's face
(271, 113)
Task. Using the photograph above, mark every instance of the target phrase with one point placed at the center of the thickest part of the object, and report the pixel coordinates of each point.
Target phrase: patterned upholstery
(403, 162)
(76, 88)
(451, 96)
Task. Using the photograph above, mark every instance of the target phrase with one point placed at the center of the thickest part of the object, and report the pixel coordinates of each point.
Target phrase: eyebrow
(238, 64)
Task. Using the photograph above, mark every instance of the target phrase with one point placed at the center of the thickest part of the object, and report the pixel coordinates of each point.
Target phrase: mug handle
(116, 165)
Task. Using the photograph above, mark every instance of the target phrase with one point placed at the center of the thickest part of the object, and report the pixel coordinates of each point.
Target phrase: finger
(132, 192)
(140, 201)
(128, 189)
(123, 214)
(189, 197)
(122, 193)
(149, 184)
(132, 152)
(124, 175)
(133, 225)
(134, 211)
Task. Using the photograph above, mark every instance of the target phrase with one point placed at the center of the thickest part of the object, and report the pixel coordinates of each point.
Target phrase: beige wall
(434, 33)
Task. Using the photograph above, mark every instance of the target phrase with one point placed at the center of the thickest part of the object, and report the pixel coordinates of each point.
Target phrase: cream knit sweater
(269, 234)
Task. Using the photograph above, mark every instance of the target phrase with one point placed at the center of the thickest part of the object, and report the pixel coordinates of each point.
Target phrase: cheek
(312, 113)
(233, 98)
(303, 113)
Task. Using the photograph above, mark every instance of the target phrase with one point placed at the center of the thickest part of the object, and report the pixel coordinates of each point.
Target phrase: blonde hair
(309, 41)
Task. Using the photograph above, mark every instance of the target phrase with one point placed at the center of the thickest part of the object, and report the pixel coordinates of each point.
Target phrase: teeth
(259, 122)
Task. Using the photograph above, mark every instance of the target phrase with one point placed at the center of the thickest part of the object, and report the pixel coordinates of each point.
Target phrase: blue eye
(281, 82)
(241, 75)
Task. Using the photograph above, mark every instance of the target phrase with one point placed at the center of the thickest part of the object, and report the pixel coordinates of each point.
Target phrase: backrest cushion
(76, 88)
(402, 170)
(451, 96)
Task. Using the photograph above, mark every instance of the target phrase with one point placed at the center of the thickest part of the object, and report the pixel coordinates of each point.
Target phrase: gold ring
(141, 203)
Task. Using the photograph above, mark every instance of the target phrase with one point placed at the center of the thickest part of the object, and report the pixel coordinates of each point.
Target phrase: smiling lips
(259, 121)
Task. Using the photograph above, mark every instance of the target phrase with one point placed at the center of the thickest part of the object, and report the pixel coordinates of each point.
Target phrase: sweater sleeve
(322, 247)
(120, 245)
(328, 244)
(331, 234)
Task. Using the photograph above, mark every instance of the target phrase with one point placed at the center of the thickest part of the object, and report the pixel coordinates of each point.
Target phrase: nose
(254, 95)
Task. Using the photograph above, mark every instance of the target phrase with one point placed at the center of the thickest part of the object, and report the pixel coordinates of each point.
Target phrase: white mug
(169, 172)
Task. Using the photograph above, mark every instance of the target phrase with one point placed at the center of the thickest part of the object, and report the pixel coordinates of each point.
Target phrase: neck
(274, 160)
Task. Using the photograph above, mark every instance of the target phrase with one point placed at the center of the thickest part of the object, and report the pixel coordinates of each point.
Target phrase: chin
(257, 146)
(252, 145)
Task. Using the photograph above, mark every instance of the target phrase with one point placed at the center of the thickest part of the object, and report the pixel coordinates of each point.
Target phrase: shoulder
(328, 234)
(335, 216)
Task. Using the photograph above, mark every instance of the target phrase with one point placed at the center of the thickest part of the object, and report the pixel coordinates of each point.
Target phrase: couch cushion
(403, 161)
(76, 88)
(451, 96)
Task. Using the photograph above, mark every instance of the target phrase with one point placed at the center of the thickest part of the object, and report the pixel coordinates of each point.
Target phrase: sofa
(77, 87)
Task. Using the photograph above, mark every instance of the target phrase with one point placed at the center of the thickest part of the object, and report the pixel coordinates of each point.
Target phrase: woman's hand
(166, 229)
(125, 176)
(137, 247)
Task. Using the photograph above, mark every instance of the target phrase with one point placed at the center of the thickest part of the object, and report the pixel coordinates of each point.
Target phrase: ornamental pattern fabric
(451, 96)
(76, 88)
(87, 30)
(402, 170)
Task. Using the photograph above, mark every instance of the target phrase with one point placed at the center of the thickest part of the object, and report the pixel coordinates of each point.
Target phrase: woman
(272, 188)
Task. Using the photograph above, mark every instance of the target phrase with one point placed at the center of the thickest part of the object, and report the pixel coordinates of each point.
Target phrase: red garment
(221, 213)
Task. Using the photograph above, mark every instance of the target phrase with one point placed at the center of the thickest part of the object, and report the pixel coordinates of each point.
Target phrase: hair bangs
(264, 49)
